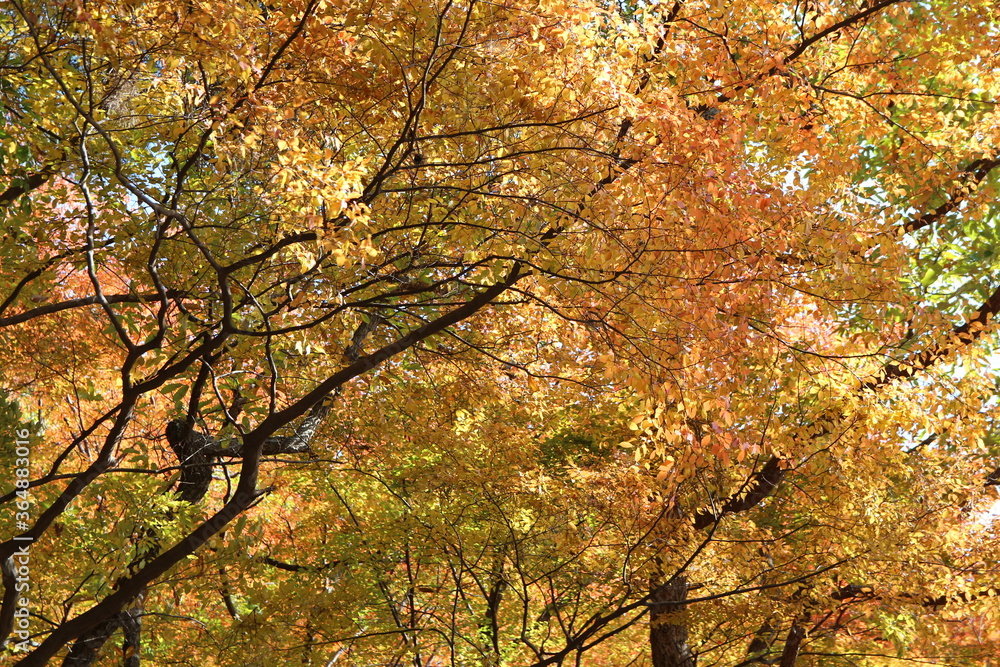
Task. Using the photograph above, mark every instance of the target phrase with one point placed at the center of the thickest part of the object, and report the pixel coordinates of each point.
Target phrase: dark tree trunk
(131, 622)
(791, 653)
(668, 631)
(85, 650)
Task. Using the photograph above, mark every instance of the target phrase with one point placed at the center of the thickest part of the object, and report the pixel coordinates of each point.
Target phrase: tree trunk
(131, 622)
(668, 632)
(792, 645)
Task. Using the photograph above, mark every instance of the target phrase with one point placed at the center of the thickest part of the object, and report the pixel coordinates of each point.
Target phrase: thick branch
(193, 450)
(294, 567)
(867, 592)
(25, 185)
(69, 304)
(837, 27)
(804, 46)
(297, 443)
(972, 176)
(960, 336)
(764, 483)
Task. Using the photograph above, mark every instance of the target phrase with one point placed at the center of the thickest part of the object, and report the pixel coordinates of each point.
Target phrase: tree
(461, 333)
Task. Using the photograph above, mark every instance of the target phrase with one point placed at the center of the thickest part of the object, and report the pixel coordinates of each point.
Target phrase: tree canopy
(514, 333)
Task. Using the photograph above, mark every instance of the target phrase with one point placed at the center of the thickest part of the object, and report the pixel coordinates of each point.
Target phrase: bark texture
(668, 632)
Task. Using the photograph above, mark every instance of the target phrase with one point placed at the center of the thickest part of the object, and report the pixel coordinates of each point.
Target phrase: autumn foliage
(531, 332)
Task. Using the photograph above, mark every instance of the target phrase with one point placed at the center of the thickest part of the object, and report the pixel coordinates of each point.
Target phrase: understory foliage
(527, 332)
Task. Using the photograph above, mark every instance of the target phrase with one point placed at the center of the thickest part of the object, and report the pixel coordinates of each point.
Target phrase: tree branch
(763, 484)
(972, 175)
